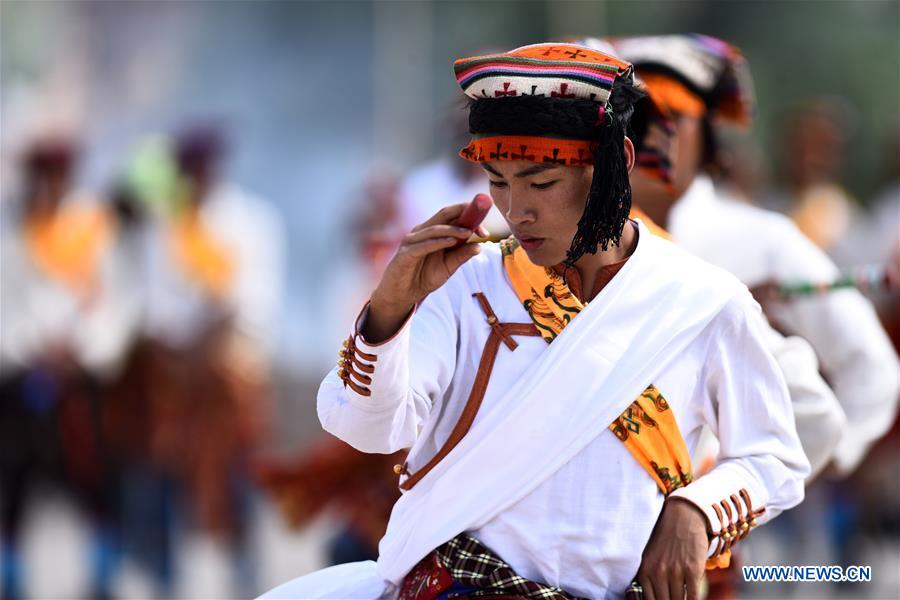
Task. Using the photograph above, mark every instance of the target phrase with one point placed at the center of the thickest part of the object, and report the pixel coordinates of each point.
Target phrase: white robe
(583, 519)
(855, 353)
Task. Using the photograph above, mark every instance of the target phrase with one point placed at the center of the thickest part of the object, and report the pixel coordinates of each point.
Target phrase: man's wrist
(389, 308)
(384, 319)
(683, 504)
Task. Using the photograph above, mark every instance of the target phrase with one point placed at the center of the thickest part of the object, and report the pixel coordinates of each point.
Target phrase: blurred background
(197, 198)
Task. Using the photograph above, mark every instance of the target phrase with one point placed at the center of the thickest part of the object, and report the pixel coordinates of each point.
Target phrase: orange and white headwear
(560, 104)
(693, 74)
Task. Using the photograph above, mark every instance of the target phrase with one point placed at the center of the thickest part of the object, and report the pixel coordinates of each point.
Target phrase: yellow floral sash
(647, 427)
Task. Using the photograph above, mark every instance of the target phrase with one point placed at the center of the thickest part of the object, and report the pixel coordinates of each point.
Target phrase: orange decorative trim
(545, 150)
(575, 53)
(732, 531)
(350, 366)
(673, 96)
(363, 379)
(720, 541)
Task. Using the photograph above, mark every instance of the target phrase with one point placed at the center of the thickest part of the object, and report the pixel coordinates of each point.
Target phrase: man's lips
(529, 242)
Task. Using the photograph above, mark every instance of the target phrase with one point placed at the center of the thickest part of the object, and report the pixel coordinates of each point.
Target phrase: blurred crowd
(138, 332)
(139, 326)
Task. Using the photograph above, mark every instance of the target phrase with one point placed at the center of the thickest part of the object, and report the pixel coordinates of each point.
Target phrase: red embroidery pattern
(573, 153)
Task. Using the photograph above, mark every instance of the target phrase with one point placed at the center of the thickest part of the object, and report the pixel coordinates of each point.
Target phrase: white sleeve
(854, 351)
(379, 399)
(818, 415)
(748, 409)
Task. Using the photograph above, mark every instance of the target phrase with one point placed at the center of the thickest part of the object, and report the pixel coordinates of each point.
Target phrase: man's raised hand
(426, 259)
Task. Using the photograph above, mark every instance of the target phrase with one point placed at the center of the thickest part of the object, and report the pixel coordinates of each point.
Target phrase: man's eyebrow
(534, 170)
(490, 169)
(526, 172)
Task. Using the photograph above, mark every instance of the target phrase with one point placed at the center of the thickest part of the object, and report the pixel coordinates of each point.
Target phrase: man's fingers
(647, 586)
(426, 247)
(676, 586)
(436, 231)
(661, 586)
(446, 215)
(693, 587)
(455, 259)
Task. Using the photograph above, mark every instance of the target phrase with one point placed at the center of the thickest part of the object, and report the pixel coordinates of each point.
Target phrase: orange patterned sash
(647, 427)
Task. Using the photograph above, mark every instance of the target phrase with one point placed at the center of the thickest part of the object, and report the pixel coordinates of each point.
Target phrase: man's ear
(629, 153)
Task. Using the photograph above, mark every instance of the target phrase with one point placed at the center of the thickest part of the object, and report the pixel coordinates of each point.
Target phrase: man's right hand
(424, 262)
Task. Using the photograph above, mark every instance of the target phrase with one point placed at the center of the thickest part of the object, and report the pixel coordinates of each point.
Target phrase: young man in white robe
(818, 415)
(551, 387)
(702, 82)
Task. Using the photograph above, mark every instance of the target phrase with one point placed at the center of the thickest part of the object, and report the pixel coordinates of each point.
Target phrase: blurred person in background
(704, 83)
(814, 143)
(871, 514)
(214, 280)
(740, 171)
(696, 81)
(873, 241)
(68, 318)
(884, 227)
(663, 60)
(379, 223)
(702, 80)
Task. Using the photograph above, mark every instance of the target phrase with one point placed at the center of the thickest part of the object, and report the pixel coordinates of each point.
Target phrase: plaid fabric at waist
(466, 568)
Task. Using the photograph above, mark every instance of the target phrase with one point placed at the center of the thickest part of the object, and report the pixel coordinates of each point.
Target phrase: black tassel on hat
(609, 199)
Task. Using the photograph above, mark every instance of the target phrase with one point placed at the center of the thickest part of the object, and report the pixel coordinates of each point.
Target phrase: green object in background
(152, 175)
(872, 278)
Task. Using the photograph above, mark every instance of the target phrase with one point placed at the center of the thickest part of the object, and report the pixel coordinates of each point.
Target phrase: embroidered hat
(556, 71)
(693, 74)
(561, 104)
(651, 124)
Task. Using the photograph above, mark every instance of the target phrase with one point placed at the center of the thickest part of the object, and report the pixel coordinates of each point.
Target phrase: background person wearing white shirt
(758, 246)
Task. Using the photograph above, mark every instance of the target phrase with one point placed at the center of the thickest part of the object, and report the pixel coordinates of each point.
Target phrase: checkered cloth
(466, 568)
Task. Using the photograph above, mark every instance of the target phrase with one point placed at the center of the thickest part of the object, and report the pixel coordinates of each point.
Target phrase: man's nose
(518, 211)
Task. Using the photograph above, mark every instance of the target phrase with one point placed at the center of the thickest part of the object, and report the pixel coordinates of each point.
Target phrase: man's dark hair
(609, 200)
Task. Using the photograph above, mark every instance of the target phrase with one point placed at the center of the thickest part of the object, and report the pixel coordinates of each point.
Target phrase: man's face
(685, 156)
(542, 204)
